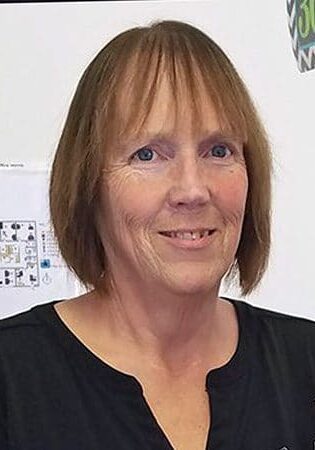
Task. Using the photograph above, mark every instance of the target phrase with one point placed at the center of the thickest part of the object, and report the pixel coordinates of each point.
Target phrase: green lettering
(304, 20)
(312, 9)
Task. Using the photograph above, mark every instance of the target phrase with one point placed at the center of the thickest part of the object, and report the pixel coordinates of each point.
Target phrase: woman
(160, 190)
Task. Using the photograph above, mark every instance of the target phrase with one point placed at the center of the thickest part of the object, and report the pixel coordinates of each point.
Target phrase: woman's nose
(189, 185)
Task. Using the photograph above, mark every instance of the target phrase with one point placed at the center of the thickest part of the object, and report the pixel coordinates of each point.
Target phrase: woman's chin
(192, 282)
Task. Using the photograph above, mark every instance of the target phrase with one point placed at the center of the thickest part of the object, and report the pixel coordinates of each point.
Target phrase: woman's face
(169, 182)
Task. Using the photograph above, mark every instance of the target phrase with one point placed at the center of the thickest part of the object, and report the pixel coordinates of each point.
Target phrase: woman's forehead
(162, 125)
(169, 119)
(163, 108)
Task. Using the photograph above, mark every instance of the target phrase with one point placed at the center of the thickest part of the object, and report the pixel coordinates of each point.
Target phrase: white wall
(44, 49)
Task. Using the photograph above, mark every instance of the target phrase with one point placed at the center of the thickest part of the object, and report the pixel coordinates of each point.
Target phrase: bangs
(194, 77)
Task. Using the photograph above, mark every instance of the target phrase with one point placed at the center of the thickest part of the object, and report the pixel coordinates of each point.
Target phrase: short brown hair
(138, 55)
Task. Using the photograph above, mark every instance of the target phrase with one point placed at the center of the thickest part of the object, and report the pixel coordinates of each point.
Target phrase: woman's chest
(94, 414)
(183, 416)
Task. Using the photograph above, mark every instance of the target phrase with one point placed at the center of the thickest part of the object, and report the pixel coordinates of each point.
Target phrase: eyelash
(133, 157)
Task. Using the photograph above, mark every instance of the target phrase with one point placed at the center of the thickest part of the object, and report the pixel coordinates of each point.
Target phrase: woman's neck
(169, 334)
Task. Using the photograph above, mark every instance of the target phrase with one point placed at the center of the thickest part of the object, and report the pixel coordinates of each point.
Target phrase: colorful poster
(301, 15)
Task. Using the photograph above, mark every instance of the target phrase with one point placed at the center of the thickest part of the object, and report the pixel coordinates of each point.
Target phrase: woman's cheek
(148, 189)
(232, 191)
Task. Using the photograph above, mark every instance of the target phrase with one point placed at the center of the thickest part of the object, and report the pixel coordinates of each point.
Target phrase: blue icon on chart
(45, 264)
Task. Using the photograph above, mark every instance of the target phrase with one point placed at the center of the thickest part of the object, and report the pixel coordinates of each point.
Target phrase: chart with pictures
(28, 254)
(32, 270)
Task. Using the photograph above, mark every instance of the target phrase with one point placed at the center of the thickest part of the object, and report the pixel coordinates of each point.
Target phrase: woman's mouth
(189, 239)
(187, 235)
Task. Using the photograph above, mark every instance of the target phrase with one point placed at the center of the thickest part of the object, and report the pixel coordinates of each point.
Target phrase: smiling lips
(188, 234)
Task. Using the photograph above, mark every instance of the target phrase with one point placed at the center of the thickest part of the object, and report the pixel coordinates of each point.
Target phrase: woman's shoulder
(277, 317)
(23, 318)
(24, 330)
(269, 325)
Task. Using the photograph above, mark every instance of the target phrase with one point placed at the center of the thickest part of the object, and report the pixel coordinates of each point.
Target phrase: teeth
(188, 235)
(192, 236)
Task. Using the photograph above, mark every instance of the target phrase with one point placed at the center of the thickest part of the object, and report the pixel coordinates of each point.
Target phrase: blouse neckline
(80, 355)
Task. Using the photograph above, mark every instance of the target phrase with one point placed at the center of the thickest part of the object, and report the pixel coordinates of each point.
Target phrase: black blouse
(55, 394)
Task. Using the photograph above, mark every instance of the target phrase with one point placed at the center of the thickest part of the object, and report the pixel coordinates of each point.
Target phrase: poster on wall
(301, 18)
(32, 270)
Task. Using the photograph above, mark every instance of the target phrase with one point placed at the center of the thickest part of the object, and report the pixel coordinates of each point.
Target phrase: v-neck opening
(224, 375)
(218, 378)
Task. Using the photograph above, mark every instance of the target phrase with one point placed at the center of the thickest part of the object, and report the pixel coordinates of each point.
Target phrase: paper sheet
(31, 267)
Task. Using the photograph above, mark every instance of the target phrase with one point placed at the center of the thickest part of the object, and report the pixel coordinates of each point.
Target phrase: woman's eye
(220, 150)
(146, 153)
(143, 154)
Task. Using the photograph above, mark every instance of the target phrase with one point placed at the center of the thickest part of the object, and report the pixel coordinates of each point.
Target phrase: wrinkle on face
(139, 200)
